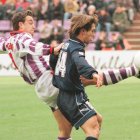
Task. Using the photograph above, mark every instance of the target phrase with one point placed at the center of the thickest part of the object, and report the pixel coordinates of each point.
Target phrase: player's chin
(32, 33)
(90, 41)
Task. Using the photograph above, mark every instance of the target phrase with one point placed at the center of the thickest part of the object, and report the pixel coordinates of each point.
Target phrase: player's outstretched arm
(116, 75)
(97, 80)
(113, 76)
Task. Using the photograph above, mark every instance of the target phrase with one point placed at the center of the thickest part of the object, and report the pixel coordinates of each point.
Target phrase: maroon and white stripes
(28, 55)
(115, 75)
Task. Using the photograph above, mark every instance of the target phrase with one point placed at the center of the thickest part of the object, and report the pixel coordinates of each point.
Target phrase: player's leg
(80, 113)
(48, 93)
(91, 128)
(63, 125)
(116, 75)
(99, 119)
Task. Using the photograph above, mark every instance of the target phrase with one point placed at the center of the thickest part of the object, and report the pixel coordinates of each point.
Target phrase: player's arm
(54, 57)
(87, 82)
(29, 46)
(85, 69)
(113, 76)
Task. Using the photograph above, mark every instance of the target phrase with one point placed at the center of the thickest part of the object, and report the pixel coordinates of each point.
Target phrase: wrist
(51, 50)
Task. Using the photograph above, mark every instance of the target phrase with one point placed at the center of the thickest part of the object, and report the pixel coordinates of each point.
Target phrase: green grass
(23, 116)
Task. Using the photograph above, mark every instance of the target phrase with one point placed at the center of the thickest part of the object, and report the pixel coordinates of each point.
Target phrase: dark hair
(20, 17)
(81, 21)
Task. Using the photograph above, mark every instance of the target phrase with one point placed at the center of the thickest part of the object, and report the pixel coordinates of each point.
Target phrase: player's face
(89, 35)
(28, 26)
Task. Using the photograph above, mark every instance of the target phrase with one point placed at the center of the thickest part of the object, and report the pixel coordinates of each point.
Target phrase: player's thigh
(45, 89)
(60, 117)
(63, 123)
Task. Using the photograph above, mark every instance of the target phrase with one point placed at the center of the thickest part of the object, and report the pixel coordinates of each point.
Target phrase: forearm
(97, 80)
(90, 82)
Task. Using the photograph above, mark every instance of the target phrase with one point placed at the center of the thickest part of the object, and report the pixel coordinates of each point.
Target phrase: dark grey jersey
(70, 65)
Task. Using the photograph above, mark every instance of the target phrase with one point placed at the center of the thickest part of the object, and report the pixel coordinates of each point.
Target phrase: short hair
(20, 17)
(81, 21)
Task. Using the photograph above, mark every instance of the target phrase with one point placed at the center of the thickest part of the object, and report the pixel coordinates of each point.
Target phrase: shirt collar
(15, 32)
(78, 41)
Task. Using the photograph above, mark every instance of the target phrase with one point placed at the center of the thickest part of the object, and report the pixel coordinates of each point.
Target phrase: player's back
(66, 76)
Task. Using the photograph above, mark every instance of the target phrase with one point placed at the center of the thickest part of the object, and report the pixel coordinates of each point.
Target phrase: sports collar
(15, 32)
(78, 41)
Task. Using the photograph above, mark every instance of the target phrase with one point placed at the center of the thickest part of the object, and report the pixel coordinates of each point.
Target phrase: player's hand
(101, 76)
(58, 48)
(99, 79)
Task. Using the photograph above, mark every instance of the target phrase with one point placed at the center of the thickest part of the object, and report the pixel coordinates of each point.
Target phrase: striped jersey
(27, 55)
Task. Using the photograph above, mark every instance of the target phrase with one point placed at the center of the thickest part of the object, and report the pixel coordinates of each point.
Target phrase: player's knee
(92, 129)
(100, 119)
(96, 130)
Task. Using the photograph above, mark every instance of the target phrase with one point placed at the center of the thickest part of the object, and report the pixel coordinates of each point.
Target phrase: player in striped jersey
(27, 56)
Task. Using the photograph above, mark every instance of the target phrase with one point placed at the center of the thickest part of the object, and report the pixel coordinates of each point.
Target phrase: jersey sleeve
(82, 65)
(2, 44)
(30, 46)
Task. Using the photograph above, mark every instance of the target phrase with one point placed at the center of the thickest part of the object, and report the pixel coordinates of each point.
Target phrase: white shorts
(46, 91)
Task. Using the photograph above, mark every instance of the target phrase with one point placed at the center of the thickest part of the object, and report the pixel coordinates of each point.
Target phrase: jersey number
(61, 64)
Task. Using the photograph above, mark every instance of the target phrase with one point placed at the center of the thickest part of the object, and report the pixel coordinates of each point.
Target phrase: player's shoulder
(75, 45)
(24, 37)
(24, 34)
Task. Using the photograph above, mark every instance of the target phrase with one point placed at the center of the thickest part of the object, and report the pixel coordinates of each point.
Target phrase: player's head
(83, 27)
(23, 21)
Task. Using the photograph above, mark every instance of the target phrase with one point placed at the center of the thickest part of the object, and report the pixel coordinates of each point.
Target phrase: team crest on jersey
(9, 46)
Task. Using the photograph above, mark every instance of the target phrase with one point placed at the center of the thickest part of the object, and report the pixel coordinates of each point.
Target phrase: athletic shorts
(45, 89)
(75, 107)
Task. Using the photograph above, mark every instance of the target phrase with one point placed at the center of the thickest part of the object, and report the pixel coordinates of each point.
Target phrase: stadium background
(23, 116)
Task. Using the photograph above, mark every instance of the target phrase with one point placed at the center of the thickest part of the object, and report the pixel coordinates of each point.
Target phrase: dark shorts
(75, 107)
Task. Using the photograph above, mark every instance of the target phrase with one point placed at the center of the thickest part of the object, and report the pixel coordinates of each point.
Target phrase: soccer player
(72, 99)
(72, 68)
(27, 56)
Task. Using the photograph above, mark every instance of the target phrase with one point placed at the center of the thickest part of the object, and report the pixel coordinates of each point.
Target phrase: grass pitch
(23, 116)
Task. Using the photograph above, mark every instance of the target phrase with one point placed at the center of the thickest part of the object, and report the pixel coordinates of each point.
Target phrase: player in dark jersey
(72, 99)
(72, 69)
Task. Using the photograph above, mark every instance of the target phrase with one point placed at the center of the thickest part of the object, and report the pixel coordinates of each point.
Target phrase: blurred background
(118, 27)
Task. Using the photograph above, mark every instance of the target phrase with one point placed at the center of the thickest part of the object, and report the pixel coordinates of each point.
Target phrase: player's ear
(20, 24)
(83, 31)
